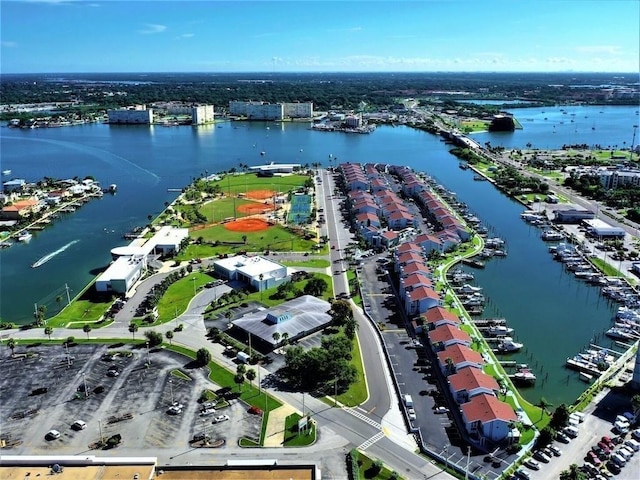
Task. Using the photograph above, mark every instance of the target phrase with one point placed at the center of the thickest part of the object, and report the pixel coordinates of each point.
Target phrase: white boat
(585, 377)
(524, 377)
(499, 331)
(507, 345)
(552, 236)
(25, 236)
(466, 288)
(6, 172)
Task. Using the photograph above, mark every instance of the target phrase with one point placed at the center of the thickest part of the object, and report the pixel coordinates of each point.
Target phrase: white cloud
(610, 49)
(151, 28)
(8, 44)
(186, 35)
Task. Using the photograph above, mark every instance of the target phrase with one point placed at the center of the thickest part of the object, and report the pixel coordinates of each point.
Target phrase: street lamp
(148, 359)
(204, 428)
(194, 286)
(84, 382)
(171, 388)
(100, 429)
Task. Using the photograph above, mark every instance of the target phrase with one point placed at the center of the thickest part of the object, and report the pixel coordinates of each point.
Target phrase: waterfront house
(488, 420)
(413, 281)
(389, 239)
(413, 267)
(419, 300)
(408, 247)
(399, 220)
(456, 357)
(377, 186)
(469, 382)
(15, 185)
(429, 243)
(437, 316)
(366, 206)
(367, 219)
(20, 209)
(447, 335)
(449, 239)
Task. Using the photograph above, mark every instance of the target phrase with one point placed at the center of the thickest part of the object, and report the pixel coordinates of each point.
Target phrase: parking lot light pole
(171, 388)
(204, 428)
(194, 286)
(148, 359)
(100, 429)
(84, 382)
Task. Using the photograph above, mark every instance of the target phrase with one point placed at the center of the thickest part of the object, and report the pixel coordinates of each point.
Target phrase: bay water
(552, 313)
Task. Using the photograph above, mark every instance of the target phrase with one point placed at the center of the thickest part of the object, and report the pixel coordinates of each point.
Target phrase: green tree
(316, 287)
(560, 417)
(48, 331)
(543, 405)
(133, 328)
(340, 312)
(154, 338)
(276, 337)
(86, 329)
(11, 343)
(574, 473)
(350, 328)
(203, 357)
(251, 376)
(239, 380)
(169, 335)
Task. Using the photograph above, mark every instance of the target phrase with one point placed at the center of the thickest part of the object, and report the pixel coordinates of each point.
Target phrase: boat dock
(488, 322)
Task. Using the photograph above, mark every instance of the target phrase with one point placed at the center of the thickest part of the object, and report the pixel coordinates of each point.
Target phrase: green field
(179, 294)
(276, 238)
(314, 263)
(469, 126)
(357, 392)
(242, 183)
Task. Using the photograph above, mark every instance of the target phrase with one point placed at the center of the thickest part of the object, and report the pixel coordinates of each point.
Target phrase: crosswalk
(363, 417)
(367, 443)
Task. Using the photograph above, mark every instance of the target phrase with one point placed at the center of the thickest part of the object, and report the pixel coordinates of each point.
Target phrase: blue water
(552, 313)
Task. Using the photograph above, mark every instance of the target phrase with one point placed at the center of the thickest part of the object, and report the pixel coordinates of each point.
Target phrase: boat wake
(49, 256)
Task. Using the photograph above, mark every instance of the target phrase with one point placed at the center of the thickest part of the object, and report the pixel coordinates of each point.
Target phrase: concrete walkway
(274, 433)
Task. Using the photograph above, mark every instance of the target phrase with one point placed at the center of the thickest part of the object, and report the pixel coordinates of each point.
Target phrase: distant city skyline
(87, 36)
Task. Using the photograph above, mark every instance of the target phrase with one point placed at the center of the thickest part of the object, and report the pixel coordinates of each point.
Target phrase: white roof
(249, 266)
(276, 166)
(168, 235)
(120, 269)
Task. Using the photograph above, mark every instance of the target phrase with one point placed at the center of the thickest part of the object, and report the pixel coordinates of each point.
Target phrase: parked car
(540, 455)
(561, 437)
(220, 419)
(207, 411)
(633, 444)
(255, 411)
(174, 410)
(52, 435)
(441, 410)
(593, 458)
(113, 371)
(555, 450)
(79, 425)
(532, 464)
(613, 467)
(521, 473)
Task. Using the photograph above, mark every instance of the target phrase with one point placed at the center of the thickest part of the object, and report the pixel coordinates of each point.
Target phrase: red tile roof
(486, 408)
(459, 354)
(444, 333)
(470, 378)
(437, 314)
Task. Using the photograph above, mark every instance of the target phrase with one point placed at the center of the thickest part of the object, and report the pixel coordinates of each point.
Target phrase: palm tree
(543, 405)
(251, 376)
(48, 331)
(285, 338)
(276, 337)
(11, 343)
(169, 336)
(133, 328)
(574, 473)
(86, 329)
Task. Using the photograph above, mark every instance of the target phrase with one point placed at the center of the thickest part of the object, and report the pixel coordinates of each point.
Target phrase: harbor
(553, 313)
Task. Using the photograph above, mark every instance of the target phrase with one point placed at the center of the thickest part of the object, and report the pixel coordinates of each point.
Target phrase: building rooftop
(486, 408)
(251, 267)
(300, 315)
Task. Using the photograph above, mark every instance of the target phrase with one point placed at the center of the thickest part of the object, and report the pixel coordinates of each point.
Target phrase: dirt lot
(134, 403)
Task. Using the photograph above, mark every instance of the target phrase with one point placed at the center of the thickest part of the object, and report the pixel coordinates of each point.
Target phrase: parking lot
(598, 422)
(43, 388)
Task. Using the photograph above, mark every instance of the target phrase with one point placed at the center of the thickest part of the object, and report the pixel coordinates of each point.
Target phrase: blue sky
(40, 36)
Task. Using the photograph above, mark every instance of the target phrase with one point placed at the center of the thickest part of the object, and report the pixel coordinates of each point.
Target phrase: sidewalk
(274, 433)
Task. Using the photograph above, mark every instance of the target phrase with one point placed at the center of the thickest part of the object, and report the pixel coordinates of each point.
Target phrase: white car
(79, 425)
(52, 435)
(174, 410)
(412, 413)
(555, 450)
(441, 410)
(220, 418)
(532, 464)
(207, 411)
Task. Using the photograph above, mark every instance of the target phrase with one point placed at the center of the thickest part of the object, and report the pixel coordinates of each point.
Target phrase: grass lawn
(357, 392)
(218, 210)
(181, 374)
(177, 297)
(80, 311)
(294, 439)
(276, 238)
(469, 126)
(605, 268)
(315, 263)
(242, 183)
(357, 299)
(365, 465)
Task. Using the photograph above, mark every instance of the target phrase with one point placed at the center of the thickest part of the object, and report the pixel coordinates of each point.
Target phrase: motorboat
(551, 236)
(25, 236)
(524, 376)
(499, 331)
(508, 345)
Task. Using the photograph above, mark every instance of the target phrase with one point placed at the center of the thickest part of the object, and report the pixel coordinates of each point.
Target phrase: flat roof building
(297, 318)
(601, 229)
(257, 271)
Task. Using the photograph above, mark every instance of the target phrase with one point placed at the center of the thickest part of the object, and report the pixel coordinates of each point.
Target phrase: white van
(571, 431)
(626, 452)
(633, 444)
(573, 421)
(578, 415)
(408, 401)
(79, 425)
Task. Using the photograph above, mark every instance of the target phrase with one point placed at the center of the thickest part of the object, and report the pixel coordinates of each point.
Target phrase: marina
(548, 296)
